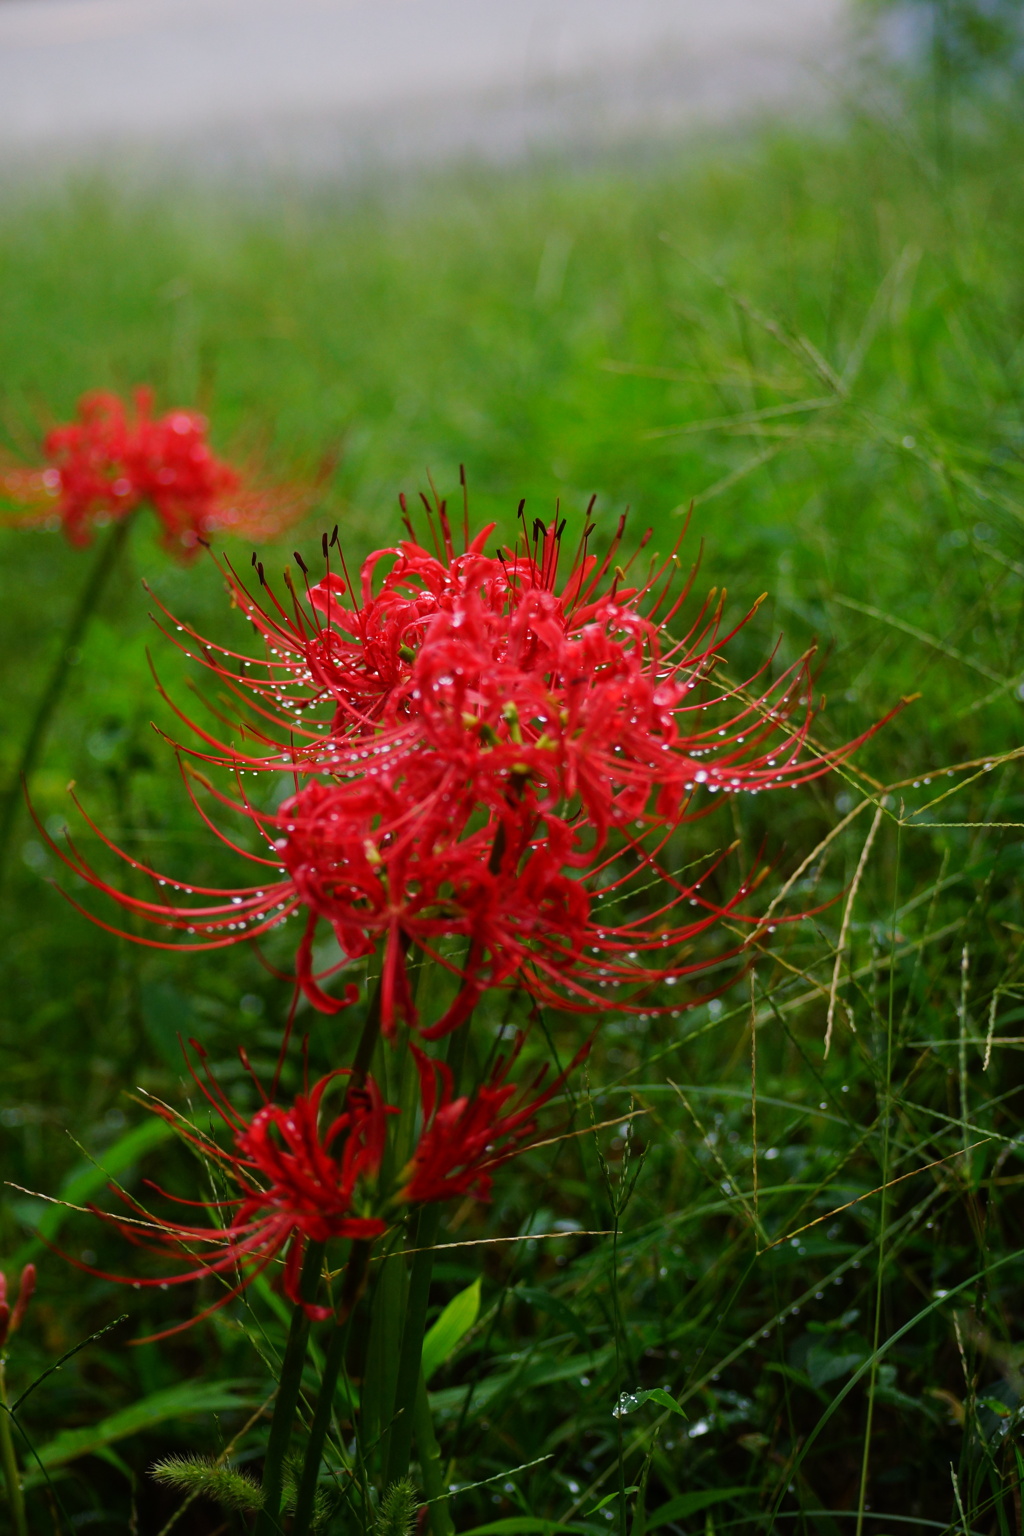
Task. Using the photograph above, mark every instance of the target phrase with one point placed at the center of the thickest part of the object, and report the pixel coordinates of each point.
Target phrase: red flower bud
(26, 1287)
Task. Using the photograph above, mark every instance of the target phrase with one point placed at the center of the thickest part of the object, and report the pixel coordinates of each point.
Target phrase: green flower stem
(355, 1279)
(363, 1057)
(290, 1384)
(377, 1400)
(457, 1053)
(431, 1466)
(89, 597)
(387, 1313)
(9, 1461)
(384, 1342)
(288, 1389)
(401, 1432)
(400, 1437)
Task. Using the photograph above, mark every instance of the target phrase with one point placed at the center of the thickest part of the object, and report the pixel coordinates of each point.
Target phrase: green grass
(819, 342)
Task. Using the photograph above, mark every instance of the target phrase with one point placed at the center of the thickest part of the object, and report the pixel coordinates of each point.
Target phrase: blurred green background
(815, 338)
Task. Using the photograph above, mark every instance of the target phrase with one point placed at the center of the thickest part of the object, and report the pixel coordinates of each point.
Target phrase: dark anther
(334, 536)
(259, 573)
(300, 563)
(254, 558)
(323, 544)
(522, 504)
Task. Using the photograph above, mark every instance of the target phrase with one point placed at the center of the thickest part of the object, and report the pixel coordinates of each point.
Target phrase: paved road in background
(330, 84)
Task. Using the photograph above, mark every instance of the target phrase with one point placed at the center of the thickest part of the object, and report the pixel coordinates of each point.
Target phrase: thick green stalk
(286, 1402)
(298, 1336)
(400, 1435)
(88, 599)
(370, 1036)
(400, 1438)
(389, 1300)
(306, 1496)
(12, 1476)
(367, 1043)
(388, 1309)
(431, 1467)
(377, 1399)
(355, 1279)
(456, 1055)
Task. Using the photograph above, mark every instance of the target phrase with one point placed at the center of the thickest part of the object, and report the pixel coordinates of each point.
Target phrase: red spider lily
(298, 1178)
(420, 878)
(11, 1318)
(359, 656)
(464, 1140)
(378, 872)
(295, 1179)
(503, 685)
(112, 459)
(487, 728)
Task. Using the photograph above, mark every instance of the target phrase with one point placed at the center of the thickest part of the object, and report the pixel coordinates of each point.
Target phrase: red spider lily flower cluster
(465, 1139)
(304, 1176)
(297, 1179)
(488, 750)
(114, 457)
(11, 1318)
(487, 757)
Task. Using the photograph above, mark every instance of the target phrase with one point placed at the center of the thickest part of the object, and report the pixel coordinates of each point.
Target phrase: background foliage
(818, 341)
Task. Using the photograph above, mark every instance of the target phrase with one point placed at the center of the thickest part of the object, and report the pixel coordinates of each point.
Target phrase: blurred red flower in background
(115, 457)
(11, 1318)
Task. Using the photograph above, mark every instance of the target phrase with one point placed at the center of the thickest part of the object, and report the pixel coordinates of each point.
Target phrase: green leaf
(525, 1526)
(629, 1402)
(633, 1488)
(182, 1401)
(1019, 1459)
(87, 1182)
(538, 1372)
(824, 1366)
(168, 1017)
(693, 1503)
(114, 1460)
(451, 1327)
(555, 1307)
